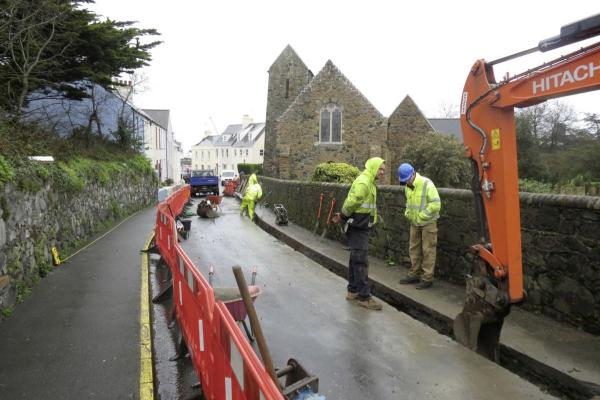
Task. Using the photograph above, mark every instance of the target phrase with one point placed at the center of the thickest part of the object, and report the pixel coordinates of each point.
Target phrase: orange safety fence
(224, 360)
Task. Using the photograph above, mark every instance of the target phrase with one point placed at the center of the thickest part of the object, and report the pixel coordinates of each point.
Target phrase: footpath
(557, 357)
(78, 335)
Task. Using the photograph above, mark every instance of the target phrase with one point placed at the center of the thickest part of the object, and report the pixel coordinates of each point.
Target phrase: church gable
(406, 121)
(330, 120)
(288, 75)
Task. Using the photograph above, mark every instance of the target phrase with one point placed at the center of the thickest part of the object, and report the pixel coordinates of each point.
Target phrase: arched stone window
(330, 127)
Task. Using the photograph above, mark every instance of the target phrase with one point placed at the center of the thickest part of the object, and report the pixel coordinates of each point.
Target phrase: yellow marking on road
(146, 372)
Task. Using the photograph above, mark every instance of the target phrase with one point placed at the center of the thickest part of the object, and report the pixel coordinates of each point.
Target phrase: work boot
(370, 304)
(424, 285)
(409, 279)
(351, 296)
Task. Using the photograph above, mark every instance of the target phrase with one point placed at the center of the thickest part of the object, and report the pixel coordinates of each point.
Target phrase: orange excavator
(489, 135)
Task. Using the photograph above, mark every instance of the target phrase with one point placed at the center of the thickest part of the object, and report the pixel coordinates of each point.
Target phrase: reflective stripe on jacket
(361, 200)
(423, 203)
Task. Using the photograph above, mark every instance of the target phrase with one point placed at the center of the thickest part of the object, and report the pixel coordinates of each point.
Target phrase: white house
(160, 144)
(238, 144)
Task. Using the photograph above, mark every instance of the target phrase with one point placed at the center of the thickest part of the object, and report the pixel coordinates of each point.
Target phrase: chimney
(246, 120)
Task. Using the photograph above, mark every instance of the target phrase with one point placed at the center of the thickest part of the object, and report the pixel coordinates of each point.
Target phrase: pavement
(561, 359)
(78, 335)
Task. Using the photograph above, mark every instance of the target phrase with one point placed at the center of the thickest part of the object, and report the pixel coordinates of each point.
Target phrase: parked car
(227, 175)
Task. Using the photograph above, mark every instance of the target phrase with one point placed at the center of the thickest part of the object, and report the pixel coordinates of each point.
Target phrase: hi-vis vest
(361, 198)
(423, 202)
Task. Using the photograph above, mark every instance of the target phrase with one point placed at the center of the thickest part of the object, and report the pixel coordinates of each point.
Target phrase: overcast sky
(215, 56)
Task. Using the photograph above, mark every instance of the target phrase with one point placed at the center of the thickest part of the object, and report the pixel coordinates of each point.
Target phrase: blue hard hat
(405, 171)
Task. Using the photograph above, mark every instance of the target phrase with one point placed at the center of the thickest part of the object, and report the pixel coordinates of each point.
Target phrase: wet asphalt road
(357, 353)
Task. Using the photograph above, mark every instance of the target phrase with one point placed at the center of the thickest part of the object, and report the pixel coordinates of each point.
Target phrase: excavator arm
(489, 135)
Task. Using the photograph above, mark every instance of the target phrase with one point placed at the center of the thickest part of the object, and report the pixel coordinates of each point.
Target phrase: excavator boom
(489, 135)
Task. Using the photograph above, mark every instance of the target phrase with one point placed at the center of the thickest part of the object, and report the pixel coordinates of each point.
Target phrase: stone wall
(32, 223)
(560, 239)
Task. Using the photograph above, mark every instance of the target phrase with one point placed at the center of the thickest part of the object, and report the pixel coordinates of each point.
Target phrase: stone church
(315, 119)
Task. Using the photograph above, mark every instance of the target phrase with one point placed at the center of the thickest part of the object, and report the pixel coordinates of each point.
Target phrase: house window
(226, 152)
(222, 152)
(287, 88)
(246, 151)
(262, 152)
(201, 153)
(331, 124)
(224, 166)
(234, 152)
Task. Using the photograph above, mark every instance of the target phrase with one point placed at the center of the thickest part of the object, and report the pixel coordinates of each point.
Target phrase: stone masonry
(294, 103)
(32, 224)
(560, 240)
(288, 75)
(298, 146)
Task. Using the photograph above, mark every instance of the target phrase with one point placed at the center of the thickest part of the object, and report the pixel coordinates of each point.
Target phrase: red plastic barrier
(224, 361)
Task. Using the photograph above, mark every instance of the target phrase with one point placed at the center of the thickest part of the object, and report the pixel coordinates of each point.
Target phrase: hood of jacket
(372, 165)
(252, 180)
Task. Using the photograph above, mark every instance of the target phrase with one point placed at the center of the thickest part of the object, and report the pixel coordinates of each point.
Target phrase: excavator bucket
(472, 330)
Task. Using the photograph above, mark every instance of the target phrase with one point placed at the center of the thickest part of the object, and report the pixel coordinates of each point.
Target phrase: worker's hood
(372, 165)
(252, 180)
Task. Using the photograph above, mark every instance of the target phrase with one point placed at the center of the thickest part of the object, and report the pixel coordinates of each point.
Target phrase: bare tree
(27, 35)
(448, 110)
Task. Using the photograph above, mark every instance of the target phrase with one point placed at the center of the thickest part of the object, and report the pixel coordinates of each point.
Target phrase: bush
(250, 169)
(440, 158)
(335, 172)
(6, 172)
(533, 186)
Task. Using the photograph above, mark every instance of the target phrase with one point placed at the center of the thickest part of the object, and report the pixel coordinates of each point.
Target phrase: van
(227, 175)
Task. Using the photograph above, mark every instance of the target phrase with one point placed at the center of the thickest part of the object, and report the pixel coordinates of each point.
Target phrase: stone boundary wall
(560, 240)
(32, 223)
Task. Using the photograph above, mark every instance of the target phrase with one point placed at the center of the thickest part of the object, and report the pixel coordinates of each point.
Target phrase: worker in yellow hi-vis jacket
(252, 194)
(423, 206)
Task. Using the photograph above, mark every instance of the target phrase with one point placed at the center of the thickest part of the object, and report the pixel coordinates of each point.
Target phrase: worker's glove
(337, 218)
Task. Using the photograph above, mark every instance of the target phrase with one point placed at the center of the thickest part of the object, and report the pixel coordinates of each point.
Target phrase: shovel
(319, 213)
(328, 218)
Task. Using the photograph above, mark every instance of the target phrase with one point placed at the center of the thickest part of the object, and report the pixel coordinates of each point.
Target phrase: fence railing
(224, 360)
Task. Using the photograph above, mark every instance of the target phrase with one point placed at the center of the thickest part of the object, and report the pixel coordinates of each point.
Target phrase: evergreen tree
(56, 46)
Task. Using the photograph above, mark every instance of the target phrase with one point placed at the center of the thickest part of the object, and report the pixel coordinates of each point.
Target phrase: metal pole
(256, 329)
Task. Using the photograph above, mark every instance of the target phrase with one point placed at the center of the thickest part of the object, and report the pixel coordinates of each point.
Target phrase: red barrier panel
(224, 361)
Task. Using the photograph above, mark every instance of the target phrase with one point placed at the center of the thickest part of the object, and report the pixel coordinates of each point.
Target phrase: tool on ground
(299, 384)
(254, 323)
(206, 209)
(281, 215)
(328, 222)
(321, 197)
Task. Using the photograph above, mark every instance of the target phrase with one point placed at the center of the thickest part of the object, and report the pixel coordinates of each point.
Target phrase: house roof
(448, 126)
(208, 140)
(250, 134)
(236, 136)
(160, 116)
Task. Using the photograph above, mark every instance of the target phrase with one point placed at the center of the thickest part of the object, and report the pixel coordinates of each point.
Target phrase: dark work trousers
(358, 267)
